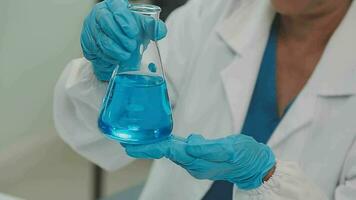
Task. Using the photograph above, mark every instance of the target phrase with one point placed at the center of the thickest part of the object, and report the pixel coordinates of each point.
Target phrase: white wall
(37, 39)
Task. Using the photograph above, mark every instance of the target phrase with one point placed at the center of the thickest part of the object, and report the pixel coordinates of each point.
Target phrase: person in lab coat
(280, 72)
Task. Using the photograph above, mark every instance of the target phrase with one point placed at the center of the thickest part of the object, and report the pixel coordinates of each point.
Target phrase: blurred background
(37, 39)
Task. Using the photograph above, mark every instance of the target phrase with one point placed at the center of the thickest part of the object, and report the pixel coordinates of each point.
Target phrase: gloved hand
(236, 158)
(172, 148)
(111, 36)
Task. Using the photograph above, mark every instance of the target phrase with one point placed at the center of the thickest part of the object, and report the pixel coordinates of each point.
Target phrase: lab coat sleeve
(347, 188)
(77, 99)
(288, 182)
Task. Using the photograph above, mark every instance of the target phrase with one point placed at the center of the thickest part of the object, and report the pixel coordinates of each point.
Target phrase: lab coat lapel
(335, 76)
(246, 33)
(299, 115)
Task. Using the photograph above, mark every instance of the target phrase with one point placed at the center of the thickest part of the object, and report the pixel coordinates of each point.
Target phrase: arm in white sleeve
(289, 182)
(77, 100)
(347, 187)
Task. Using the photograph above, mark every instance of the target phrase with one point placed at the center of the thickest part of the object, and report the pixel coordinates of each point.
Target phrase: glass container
(136, 108)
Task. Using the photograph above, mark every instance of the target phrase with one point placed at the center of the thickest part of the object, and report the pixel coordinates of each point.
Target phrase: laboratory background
(37, 39)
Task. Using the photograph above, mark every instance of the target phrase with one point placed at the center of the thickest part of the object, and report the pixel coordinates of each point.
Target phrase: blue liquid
(136, 109)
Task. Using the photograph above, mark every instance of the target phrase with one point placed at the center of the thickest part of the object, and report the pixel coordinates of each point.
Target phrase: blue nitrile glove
(111, 36)
(172, 148)
(237, 158)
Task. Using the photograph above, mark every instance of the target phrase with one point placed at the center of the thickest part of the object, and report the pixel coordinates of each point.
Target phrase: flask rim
(146, 9)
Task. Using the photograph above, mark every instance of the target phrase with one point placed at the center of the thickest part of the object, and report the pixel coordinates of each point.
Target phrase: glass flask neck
(146, 9)
(146, 57)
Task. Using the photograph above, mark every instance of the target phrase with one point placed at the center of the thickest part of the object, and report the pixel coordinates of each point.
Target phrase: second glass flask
(136, 108)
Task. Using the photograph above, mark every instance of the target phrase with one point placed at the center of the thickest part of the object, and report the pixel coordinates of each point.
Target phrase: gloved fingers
(110, 27)
(127, 22)
(171, 148)
(219, 150)
(123, 16)
(117, 4)
(106, 67)
(87, 40)
(92, 52)
(203, 169)
(242, 139)
(105, 57)
(100, 30)
(152, 154)
(102, 69)
(200, 173)
(177, 153)
(264, 159)
(90, 38)
(204, 165)
(148, 151)
(159, 29)
(89, 48)
(154, 29)
(114, 52)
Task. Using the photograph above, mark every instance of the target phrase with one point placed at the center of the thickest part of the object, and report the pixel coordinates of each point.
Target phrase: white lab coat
(212, 56)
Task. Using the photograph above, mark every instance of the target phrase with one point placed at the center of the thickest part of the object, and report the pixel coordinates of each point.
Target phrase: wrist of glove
(236, 158)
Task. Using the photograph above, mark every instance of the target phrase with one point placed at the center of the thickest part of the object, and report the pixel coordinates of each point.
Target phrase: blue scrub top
(262, 117)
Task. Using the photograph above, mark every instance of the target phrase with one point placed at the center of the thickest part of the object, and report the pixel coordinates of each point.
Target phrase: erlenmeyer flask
(136, 108)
